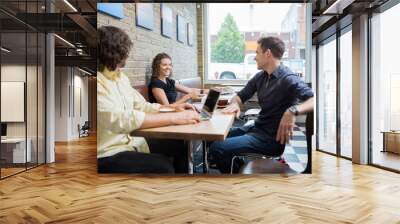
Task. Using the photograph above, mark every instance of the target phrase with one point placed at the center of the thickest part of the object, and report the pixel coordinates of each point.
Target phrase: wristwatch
(294, 110)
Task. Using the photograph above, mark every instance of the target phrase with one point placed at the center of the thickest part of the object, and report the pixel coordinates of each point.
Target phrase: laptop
(210, 104)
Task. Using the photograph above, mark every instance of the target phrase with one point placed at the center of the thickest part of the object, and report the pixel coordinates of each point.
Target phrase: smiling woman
(162, 88)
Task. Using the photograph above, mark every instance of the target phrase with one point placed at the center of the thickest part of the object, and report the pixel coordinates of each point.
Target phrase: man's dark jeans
(240, 141)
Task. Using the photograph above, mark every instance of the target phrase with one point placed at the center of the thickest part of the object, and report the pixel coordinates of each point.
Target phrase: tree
(229, 46)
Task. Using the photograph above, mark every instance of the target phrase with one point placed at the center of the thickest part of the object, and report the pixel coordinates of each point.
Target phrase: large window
(385, 84)
(232, 31)
(327, 96)
(346, 94)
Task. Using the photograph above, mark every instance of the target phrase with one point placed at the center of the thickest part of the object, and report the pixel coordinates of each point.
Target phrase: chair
(256, 156)
(259, 166)
(84, 130)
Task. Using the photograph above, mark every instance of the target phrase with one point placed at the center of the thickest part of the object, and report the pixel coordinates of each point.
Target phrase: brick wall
(148, 43)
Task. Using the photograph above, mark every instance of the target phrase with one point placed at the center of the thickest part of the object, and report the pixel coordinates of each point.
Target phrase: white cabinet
(17, 146)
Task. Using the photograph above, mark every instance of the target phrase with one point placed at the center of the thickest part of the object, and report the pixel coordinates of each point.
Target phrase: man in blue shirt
(279, 92)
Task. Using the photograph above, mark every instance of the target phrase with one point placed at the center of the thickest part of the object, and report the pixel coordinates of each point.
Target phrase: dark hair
(155, 66)
(113, 46)
(274, 44)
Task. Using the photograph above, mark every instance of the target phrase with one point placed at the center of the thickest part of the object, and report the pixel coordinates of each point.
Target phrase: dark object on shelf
(84, 130)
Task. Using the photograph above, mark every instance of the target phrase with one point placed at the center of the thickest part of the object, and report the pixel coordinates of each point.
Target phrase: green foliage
(229, 46)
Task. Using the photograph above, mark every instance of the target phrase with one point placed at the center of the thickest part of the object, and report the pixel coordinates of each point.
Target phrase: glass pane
(41, 99)
(233, 31)
(13, 85)
(327, 97)
(386, 89)
(346, 94)
(31, 98)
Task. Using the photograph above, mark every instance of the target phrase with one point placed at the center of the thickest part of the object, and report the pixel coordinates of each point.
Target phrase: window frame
(308, 48)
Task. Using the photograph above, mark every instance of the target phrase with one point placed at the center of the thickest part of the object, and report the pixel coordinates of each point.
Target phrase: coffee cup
(222, 102)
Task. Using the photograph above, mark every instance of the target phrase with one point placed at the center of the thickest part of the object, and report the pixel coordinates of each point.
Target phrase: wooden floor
(70, 191)
(387, 159)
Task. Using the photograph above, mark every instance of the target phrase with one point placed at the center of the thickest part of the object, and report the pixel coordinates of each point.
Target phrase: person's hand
(202, 91)
(232, 109)
(185, 117)
(193, 95)
(285, 130)
(183, 106)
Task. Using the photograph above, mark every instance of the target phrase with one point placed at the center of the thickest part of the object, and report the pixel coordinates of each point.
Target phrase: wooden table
(215, 129)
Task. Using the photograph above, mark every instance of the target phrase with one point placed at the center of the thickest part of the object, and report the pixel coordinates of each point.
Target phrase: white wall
(33, 126)
(15, 73)
(71, 94)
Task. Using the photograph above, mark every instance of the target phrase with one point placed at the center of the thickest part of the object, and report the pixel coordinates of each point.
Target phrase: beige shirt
(120, 110)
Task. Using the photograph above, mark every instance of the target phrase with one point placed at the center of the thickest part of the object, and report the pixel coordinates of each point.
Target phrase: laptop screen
(211, 100)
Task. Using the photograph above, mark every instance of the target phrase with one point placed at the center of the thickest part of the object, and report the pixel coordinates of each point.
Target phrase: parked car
(244, 70)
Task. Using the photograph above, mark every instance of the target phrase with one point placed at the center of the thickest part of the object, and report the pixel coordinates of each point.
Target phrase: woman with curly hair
(121, 110)
(162, 88)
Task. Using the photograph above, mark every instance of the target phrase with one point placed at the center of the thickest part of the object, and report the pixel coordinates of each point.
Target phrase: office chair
(84, 130)
(265, 165)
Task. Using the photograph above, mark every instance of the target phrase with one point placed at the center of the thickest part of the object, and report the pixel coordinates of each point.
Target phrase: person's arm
(234, 106)
(124, 122)
(178, 118)
(306, 106)
(113, 120)
(286, 125)
(183, 89)
(160, 96)
(246, 93)
(303, 93)
(191, 93)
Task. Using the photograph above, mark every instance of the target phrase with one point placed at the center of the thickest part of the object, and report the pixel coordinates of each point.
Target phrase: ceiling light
(5, 49)
(65, 41)
(70, 5)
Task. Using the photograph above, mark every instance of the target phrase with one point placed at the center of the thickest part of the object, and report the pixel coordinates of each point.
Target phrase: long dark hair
(155, 72)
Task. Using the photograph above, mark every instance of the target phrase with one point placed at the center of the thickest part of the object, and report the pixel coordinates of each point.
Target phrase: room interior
(345, 50)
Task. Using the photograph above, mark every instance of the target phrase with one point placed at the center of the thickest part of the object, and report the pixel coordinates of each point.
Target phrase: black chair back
(309, 134)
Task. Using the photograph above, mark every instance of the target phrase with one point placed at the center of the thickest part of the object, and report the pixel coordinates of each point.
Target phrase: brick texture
(148, 43)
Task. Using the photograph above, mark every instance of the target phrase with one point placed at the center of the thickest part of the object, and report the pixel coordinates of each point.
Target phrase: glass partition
(327, 96)
(22, 88)
(385, 89)
(14, 145)
(346, 94)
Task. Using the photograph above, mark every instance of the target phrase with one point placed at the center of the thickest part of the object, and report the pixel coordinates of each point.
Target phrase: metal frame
(381, 9)
(44, 71)
(243, 82)
(339, 32)
(330, 38)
